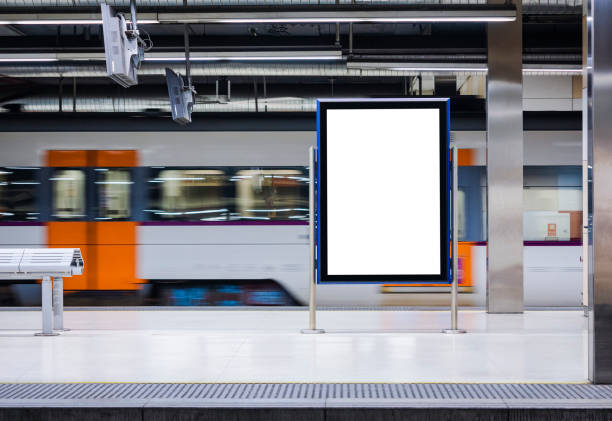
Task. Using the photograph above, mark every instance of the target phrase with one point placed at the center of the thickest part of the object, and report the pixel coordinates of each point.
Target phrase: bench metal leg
(58, 304)
(47, 313)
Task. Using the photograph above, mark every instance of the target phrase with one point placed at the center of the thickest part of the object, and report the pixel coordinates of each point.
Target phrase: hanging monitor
(383, 191)
(121, 49)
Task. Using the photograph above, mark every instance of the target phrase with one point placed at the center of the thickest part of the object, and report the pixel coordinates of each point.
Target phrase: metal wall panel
(599, 124)
(505, 165)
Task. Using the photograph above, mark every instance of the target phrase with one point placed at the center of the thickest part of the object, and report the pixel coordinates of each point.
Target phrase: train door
(92, 207)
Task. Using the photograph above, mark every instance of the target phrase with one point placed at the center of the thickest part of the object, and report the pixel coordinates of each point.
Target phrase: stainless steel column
(505, 165)
(599, 123)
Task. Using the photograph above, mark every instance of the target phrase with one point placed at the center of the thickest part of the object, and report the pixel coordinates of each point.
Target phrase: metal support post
(47, 314)
(337, 42)
(312, 279)
(58, 304)
(133, 15)
(455, 280)
(505, 292)
(599, 146)
(350, 50)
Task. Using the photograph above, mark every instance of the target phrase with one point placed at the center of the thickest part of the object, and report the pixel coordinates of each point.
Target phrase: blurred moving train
(220, 218)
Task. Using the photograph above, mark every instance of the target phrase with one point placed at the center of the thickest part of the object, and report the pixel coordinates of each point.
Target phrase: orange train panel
(66, 233)
(116, 158)
(465, 268)
(72, 234)
(108, 248)
(115, 255)
(466, 157)
(112, 232)
(68, 158)
(115, 267)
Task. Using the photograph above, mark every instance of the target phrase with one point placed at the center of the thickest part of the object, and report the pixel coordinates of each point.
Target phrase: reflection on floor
(266, 346)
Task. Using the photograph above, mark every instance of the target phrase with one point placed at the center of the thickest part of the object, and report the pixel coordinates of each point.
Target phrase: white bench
(44, 263)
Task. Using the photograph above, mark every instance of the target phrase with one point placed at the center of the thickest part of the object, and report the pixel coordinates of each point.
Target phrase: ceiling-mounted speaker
(182, 97)
(121, 49)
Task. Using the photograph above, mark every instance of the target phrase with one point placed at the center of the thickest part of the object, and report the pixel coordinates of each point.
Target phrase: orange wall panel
(118, 158)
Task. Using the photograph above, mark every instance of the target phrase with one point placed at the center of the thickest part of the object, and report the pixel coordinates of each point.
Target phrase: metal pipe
(61, 94)
(255, 94)
(133, 15)
(350, 39)
(265, 94)
(455, 240)
(187, 62)
(312, 275)
(74, 92)
(337, 43)
(455, 247)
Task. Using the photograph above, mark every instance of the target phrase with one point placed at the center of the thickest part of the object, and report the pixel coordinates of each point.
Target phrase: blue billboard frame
(443, 104)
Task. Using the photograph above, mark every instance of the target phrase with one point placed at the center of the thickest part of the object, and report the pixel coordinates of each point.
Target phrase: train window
(18, 194)
(68, 193)
(189, 194)
(114, 187)
(272, 194)
(472, 203)
(461, 225)
(552, 202)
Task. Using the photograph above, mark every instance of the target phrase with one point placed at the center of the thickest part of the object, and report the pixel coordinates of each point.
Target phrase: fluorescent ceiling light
(480, 70)
(13, 58)
(573, 70)
(398, 19)
(373, 15)
(194, 57)
(249, 56)
(438, 69)
(468, 68)
(272, 15)
(26, 60)
(66, 22)
(243, 58)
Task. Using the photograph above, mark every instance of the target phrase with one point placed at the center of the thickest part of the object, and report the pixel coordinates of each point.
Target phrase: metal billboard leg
(312, 302)
(47, 314)
(455, 284)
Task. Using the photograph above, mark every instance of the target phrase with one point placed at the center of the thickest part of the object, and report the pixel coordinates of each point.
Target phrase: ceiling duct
(451, 65)
(119, 104)
(530, 4)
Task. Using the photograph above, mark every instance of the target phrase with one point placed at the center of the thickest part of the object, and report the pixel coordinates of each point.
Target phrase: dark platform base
(304, 402)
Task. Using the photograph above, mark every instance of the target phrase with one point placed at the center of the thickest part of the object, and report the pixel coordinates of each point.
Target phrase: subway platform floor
(266, 346)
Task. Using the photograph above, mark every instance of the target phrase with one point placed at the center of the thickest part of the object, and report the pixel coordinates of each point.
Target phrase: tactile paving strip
(316, 394)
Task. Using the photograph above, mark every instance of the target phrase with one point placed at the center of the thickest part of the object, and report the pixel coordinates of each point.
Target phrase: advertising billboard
(383, 191)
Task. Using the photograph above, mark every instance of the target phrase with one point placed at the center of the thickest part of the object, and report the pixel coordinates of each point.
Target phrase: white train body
(279, 252)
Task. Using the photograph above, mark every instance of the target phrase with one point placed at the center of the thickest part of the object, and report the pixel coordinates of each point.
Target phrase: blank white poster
(383, 191)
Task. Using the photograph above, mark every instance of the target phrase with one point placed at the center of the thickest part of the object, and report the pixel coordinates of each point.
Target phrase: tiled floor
(267, 346)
